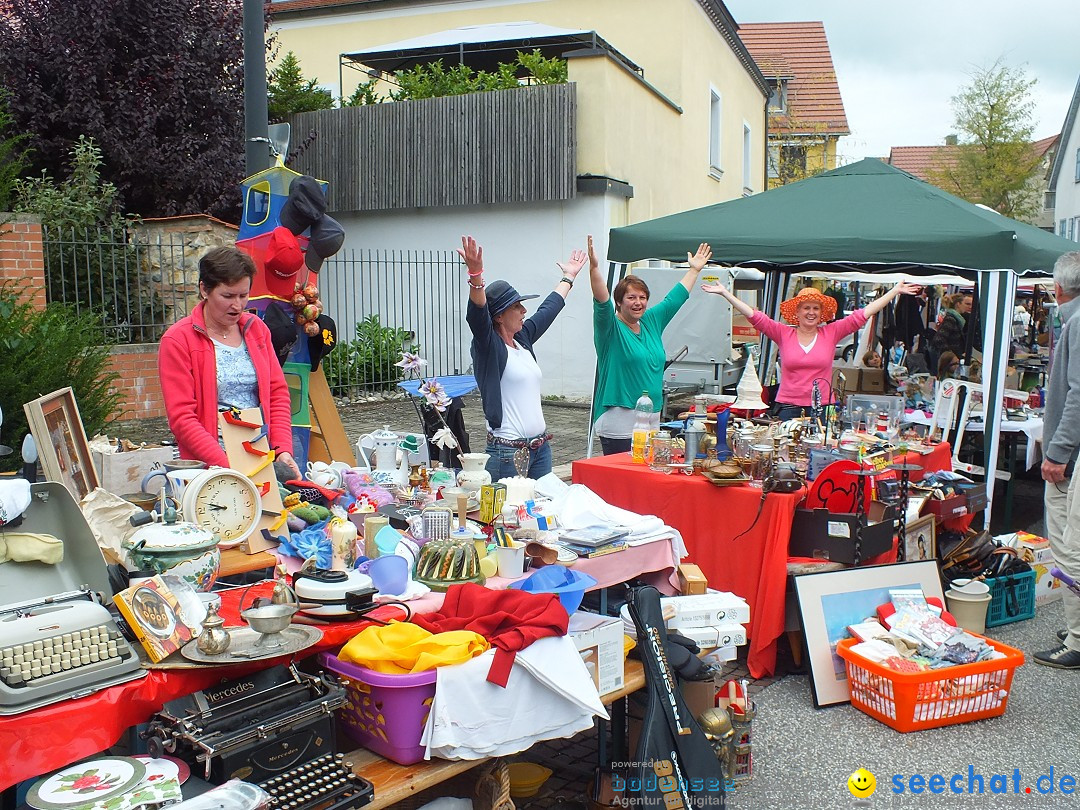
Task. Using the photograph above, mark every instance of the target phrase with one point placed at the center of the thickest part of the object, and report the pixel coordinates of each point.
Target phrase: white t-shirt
(618, 423)
(523, 417)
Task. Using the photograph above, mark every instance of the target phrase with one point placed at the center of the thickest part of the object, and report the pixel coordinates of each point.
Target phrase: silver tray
(245, 647)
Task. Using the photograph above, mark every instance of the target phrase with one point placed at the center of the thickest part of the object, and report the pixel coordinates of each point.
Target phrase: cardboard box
(946, 508)
(122, 473)
(852, 375)
(1048, 588)
(724, 635)
(1034, 549)
(824, 535)
(872, 380)
(599, 641)
(691, 580)
(705, 610)
(742, 331)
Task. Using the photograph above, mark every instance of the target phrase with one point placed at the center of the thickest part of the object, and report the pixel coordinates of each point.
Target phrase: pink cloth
(800, 368)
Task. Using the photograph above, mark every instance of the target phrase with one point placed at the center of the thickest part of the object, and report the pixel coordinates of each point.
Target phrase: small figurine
(913, 396)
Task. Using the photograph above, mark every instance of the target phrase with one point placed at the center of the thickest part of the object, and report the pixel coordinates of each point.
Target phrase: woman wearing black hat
(504, 364)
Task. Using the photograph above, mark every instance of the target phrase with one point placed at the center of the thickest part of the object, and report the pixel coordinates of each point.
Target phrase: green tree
(44, 350)
(88, 259)
(995, 163)
(288, 92)
(13, 153)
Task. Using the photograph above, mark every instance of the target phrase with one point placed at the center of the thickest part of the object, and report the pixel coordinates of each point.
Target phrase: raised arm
(878, 304)
(697, 263)
(473, 255)
(599, 288)
(737, 303)
(570, 269)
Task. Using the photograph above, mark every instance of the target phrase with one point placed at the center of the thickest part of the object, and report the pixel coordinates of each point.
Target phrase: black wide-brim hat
(501, 296)
(305, 204)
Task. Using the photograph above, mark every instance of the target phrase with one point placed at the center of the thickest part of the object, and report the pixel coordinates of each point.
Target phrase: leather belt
(534, 443)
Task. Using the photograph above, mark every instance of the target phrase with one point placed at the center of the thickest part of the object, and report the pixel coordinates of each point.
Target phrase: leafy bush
(434, 80)
(42, 351)
(368, 360)
(88, 260)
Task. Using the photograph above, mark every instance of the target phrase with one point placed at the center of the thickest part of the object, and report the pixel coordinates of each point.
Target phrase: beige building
(664, 110)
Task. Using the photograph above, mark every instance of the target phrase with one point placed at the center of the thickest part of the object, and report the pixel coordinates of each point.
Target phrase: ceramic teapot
(387, 470)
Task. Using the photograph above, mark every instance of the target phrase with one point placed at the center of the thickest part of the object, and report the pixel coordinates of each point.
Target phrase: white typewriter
(57, 640)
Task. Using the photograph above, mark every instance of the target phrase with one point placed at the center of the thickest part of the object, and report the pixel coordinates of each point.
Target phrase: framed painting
(58, 432)
(921, 539)
(830, 601)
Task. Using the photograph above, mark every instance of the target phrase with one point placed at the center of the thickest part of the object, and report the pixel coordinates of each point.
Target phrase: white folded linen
(549, 695)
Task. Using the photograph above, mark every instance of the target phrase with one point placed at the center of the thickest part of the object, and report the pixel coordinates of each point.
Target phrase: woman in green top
(629, 351)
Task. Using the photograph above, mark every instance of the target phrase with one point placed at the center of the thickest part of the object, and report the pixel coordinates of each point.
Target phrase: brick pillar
(22, 262)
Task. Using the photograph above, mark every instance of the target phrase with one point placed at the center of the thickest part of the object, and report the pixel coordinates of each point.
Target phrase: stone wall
(174, 247)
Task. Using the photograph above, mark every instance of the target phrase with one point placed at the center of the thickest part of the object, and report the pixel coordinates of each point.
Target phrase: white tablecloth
(1032, 428)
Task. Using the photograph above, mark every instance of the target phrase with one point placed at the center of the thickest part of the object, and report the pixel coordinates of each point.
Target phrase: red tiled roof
(1046, 144)
(303, 5)
(799, 50)
(921, 160)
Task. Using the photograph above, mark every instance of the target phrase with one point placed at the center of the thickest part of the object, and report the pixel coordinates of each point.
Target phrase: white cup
(179, 479)
(511, 559)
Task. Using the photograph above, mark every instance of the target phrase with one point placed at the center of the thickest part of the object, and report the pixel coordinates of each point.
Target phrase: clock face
(225, 503)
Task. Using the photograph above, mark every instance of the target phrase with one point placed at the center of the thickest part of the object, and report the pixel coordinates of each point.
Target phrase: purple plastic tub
(385, 713)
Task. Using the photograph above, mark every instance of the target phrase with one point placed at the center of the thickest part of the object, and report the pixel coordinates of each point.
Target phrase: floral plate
(86, 783)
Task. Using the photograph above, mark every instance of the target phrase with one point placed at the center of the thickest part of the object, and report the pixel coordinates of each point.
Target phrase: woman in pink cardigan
(806, 350)
(222, 356)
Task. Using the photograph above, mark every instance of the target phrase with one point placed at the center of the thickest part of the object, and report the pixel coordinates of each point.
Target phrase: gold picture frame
(920, 541)
(58, 432)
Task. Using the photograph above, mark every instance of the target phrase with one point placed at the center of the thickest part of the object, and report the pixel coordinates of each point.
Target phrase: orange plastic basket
(940, 697)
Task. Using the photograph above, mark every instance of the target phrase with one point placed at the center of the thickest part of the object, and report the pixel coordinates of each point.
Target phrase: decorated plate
(85, 783)
(164, 768)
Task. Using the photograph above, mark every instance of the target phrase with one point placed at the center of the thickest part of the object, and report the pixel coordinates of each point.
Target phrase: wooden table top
(394, 783)
(234, 561)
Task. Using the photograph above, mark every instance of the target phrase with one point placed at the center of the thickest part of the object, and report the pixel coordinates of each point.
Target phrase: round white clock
(225, 502)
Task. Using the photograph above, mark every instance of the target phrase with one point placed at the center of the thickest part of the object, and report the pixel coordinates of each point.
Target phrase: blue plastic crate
(1003, 608)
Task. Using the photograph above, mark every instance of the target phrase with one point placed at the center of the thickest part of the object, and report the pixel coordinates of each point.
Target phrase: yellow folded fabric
(400, 648)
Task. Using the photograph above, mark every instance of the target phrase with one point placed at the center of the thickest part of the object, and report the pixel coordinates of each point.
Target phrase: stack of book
(595, 541)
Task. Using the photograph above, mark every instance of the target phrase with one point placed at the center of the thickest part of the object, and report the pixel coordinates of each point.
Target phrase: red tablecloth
(42, 740)
(737, 549)
(39, 741)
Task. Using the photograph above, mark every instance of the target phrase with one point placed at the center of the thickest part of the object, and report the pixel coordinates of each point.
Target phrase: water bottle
(643, 411)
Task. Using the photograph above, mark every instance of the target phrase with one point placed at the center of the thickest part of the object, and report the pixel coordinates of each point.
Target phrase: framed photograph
(921, 542)
(57, 429)
(830, 601)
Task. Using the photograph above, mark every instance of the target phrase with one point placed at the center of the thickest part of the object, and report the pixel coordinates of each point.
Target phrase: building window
(1049, 200)
(1077, 178)
(773, 168)
(716, 110)
(793, 161)
(1061, 227)
(747, 174)
(1071, 232)
(1074, 229)
(777, 95)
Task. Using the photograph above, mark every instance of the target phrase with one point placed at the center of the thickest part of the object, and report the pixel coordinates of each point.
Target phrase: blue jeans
(501, 463)
(612, 446)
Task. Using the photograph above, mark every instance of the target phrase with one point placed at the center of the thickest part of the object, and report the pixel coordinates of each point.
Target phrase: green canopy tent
(868, 217)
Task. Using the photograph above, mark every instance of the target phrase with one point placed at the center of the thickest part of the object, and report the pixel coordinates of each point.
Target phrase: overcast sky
(899, 64)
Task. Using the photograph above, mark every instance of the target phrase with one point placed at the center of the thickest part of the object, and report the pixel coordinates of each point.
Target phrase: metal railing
(136, 289)
(384, 301)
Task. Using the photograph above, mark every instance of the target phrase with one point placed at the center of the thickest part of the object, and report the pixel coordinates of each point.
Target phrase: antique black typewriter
(274, 728)
(57, 638)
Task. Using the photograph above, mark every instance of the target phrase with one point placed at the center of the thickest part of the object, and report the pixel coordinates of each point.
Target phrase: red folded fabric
(510, 619)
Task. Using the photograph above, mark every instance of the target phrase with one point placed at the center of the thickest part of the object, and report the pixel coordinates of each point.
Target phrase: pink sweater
(800, 368)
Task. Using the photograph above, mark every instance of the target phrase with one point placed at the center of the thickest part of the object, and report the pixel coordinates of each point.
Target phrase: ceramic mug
(179, 480)
(511, 559)
(321, 473)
